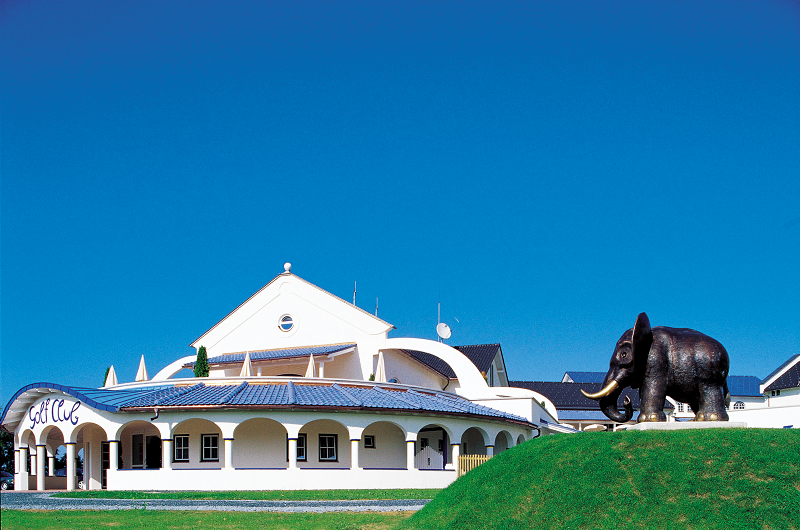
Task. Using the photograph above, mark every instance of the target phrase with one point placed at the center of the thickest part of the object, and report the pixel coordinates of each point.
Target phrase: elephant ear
(641, 340)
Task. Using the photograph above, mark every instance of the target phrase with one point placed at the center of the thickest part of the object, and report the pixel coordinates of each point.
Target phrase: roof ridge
(178, 393)
(232, 393)
(397, 397)
(291, 396)
(347, 394)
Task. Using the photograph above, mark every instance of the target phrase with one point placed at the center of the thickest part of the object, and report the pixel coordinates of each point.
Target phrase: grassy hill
(709, 478)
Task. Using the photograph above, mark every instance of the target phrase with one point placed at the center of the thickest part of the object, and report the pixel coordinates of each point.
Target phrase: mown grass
(699, 479)
(124, 519)
(281, 495)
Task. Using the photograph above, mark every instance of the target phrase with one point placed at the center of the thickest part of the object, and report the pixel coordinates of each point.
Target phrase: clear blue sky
(545, 170)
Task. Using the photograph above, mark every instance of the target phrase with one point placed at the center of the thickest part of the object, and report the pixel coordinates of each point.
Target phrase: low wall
(770, 417)
(56, 483)
(276, 479)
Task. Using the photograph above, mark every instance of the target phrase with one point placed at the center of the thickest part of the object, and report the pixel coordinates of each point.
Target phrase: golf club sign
(55, 414)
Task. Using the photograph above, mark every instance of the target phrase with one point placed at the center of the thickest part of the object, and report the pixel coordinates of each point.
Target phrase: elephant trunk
(608, 405)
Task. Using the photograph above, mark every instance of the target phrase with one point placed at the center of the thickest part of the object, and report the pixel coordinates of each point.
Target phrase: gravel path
(32, 500)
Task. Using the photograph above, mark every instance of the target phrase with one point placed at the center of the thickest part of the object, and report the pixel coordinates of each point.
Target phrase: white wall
(410, 372)
(277, 479)
(390, 447)
(319, 318)
(195, 428)
(312, 431)
(775, 417)
(259, 443)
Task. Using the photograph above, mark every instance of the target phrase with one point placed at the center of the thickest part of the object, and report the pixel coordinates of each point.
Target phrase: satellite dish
(443, 330)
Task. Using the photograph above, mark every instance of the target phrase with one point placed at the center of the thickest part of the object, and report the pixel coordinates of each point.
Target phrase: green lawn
(283, 495)
(150, 519)
(700, 479)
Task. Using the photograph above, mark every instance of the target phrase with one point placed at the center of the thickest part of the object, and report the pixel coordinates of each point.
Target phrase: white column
(228, 453)
(40, 460)
(51, 464)
(456, 448)
(293, 453)
(354, 454)
(490, 451)
(410, 448)
(16, 461)
(70, 465)
(321, 369)
(33, 461)
(166, 453)
(113, 454)
(23, 469)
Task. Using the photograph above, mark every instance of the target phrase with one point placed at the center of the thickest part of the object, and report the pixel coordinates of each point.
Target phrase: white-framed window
(210, 448)
(739, 405)
(680, 407)
(181, 443)
(369, 441)
(327, 447)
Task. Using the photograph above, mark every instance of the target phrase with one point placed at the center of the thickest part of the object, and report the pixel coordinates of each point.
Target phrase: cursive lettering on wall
(55, 414)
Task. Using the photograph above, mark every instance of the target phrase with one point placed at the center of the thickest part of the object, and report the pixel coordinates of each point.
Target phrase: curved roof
(260, 394)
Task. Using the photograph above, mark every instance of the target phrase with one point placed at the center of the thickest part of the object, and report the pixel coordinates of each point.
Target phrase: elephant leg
(652, 403)
(711, 404)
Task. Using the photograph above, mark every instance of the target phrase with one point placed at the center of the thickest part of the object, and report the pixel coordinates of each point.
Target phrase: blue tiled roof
(789, 379)
(98, 398)
(779, 369)
(284, 353)
(481, 356)
(317, 395)
(738, 385)
(583, 415)
(744, 385)
(587, 377)
(304, 395)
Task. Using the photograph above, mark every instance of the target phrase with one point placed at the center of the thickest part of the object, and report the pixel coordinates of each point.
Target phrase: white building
(305, 391)
(779, 404)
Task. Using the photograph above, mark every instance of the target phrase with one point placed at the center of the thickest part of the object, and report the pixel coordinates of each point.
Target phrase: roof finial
(287, 267)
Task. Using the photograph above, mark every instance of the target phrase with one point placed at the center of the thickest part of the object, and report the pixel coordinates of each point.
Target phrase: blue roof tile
(744, 385)
(310, 394)
(283, 353)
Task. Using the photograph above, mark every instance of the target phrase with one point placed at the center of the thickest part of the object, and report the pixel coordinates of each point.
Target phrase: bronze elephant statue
(683, 364)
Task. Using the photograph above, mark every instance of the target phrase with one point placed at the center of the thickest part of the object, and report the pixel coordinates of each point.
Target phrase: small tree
(6, 451)
(201, 364)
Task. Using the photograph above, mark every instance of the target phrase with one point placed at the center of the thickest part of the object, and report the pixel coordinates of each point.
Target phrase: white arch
(470, 379)
(173, 368)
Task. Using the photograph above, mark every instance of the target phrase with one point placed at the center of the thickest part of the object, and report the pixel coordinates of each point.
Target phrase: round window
(286, 323)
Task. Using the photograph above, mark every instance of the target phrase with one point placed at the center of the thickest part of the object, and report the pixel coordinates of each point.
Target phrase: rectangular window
(327, 447)
(369, 441)
(181, 448)
(301, 447)
(210, 448)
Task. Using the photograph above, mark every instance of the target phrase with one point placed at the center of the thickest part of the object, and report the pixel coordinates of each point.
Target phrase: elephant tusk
(613, 385)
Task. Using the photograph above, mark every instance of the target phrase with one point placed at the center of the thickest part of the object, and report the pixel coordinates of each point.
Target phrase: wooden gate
(470, 462)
